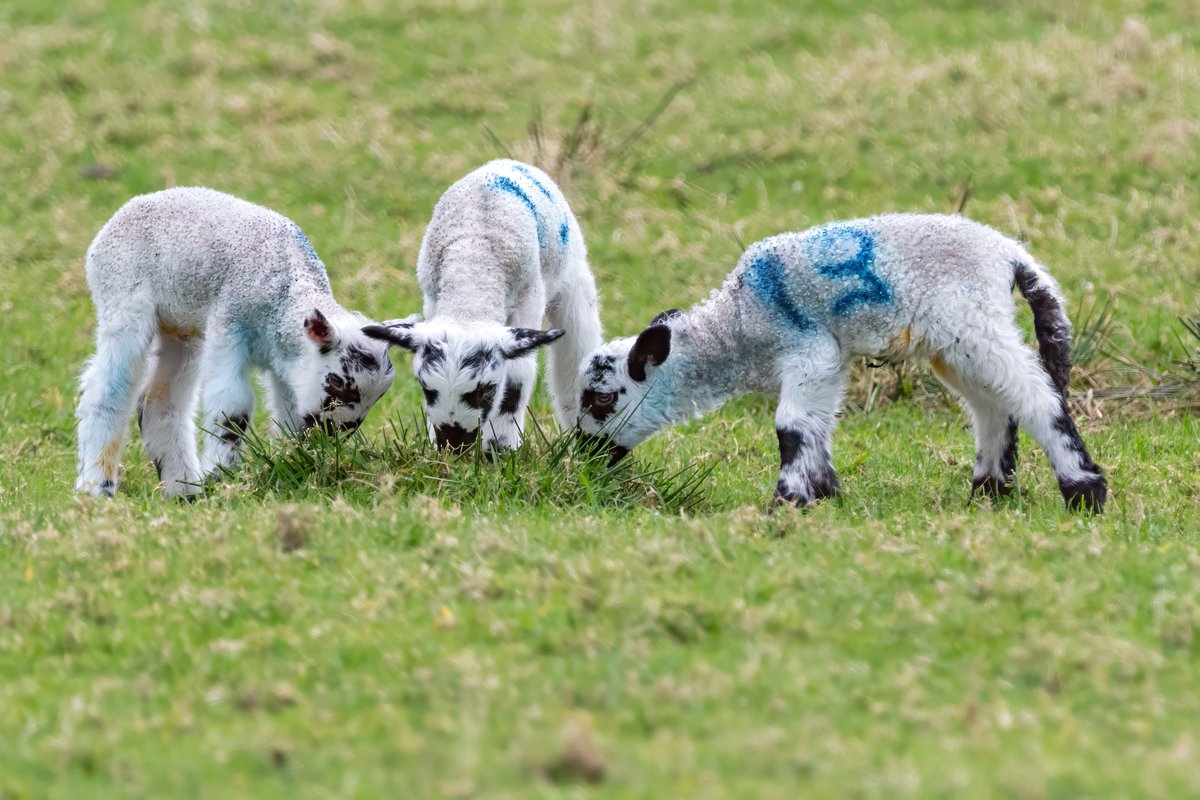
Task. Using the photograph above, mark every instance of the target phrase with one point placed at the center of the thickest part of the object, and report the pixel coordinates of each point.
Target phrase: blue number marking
(831, 240)
(767, 277)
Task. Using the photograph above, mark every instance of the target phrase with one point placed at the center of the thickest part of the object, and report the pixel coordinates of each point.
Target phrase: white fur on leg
(228, 403)
(809, 400)
(108, 395)
(168, 416)
(576, 310)
(282, 405)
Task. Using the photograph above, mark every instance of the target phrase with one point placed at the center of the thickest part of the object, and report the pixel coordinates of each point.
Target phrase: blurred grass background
(897, 643)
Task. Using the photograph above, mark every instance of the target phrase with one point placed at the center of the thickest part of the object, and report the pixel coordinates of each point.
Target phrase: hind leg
(228, 400)
(503, 431)
(995, 433)
(108, 393)
(167, 416)
(809, 399)
(1012, 372)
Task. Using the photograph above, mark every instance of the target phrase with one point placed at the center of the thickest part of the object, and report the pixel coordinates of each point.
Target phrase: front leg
(808, 406)
(282, 403)
(228, 403)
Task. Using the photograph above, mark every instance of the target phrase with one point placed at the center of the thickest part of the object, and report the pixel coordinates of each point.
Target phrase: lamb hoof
(991, 486)
(1087, 495)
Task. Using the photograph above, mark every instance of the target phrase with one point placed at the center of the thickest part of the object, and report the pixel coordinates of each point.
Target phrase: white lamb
(202, 286)
(502, 250)
(799, 306)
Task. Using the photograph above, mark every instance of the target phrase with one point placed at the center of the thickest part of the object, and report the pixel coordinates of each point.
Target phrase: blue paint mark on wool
(506, 184)
(827, 250)
(306, 244)
(521, 168)
(767, 277)
(564, 233)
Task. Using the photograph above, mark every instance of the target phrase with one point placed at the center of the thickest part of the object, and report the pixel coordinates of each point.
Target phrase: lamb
(798, 306)
(193, 285)
(502, 250)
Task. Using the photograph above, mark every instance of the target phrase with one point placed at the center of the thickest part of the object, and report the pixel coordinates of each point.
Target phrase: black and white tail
(1081, 481)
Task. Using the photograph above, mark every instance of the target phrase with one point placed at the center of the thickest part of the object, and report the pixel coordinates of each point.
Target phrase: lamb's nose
(454, 437)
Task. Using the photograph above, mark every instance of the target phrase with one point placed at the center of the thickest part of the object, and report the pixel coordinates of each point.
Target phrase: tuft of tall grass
(549, 470)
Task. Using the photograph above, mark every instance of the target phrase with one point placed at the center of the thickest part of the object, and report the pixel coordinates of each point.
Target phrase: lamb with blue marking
(799, 306)
(196, 287)
(502, 251)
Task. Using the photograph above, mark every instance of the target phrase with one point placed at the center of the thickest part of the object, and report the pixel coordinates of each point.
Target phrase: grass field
(390, 624)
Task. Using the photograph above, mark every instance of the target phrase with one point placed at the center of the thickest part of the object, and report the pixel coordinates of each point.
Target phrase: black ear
(666, 316)
(400, 335)
(524, 341)
(652, 347)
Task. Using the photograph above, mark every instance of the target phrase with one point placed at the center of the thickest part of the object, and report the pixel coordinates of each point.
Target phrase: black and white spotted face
(624, 391)
(351, 372)
(461, 371)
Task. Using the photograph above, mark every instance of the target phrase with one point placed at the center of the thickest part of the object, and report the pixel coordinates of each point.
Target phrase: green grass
(364, 618)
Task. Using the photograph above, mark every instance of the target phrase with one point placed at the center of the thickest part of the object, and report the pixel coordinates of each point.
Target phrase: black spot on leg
(1085, 495)
(996, 487)
(818, 483)
(790, 443)
(158, 467)
(108, 488)
(1088, 493)
(141, 412)
(1008, 461)
(233, 429)
(511, 399)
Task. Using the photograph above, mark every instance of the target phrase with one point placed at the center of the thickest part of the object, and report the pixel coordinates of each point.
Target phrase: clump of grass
(555, 470)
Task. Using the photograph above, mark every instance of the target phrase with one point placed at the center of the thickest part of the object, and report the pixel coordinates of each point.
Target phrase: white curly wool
(502, 252)
(799, 306)
(193, 286)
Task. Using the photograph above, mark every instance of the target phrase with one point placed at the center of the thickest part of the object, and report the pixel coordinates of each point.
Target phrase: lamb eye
(335, 380)
(605, 399)
(431, 395)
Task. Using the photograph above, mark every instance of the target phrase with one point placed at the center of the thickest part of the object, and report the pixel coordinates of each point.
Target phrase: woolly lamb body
(192, 286)
(799, 306)
(502, 252)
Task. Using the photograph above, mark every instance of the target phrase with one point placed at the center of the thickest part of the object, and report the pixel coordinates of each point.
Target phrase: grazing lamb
(502, 251)
(798, 306)
(201, 286)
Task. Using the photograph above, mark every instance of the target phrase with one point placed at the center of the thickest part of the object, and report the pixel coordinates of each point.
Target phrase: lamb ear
(652, 347)
(524, 341)
(320, 331)
(666, 316)
(400, 334)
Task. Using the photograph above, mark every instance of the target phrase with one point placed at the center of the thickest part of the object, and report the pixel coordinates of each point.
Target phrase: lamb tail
(1050, 321)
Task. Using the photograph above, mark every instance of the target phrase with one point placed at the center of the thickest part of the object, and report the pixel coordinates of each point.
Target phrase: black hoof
(1086, 495)
(991, 486)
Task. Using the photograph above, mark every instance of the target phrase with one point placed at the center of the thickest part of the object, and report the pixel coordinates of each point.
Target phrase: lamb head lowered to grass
(799, 306)
(195, 286)
(503, 251)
